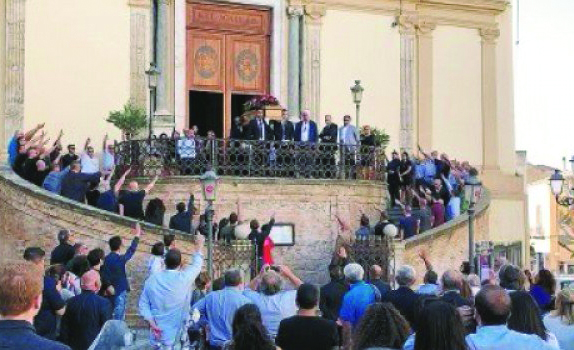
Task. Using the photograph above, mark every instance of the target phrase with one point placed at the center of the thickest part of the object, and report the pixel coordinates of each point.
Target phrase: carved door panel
(205, 61)
(248, 64)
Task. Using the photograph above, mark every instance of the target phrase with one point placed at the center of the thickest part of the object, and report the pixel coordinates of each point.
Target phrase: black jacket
(258, 237)
(62, 254)
(329, 133)
(455, 299)
(288, 129)
(405, 300)
(254, 133)
(84, 318)
(182, 221)
(75, 185)
(332, 298)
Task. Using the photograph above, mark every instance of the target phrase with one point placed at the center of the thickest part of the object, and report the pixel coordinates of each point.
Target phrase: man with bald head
(75, 183)
(131, 201)
(85, 314)
(493, 308)
(376, 279)
(306, 129)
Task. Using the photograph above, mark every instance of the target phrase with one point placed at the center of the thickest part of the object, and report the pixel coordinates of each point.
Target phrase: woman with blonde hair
(561, 321)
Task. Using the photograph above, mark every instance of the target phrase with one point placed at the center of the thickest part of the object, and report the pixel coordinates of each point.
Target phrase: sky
(544, 80)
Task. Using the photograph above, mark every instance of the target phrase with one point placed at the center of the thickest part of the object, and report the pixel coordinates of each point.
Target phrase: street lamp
(209, 182)
(152, 74)
(357, 92)
(557, 186)
(472, 193)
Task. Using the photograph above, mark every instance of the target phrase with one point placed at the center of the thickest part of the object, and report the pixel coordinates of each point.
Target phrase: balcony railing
(229, 157)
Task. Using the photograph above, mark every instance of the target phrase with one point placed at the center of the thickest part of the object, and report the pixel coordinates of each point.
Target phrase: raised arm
(132, 249)
(104, 143)
(28, 135)
(423, 152)
(424, 257)
(88, 140)
(59, 138)
(289, 275)
(196, 262)
(120, 183)
(190, 203)
(150, 186)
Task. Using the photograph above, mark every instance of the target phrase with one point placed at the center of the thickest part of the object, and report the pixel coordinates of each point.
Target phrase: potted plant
(381, 137)
(130, 120)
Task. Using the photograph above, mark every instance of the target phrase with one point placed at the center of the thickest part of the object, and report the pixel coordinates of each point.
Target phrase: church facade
(435, 72)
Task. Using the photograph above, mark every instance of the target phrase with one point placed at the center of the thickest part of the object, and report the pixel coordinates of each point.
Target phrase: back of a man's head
(180, 207)
(451, 280)
(405, 276)
(509, 276)
(172, 259)
(168, 240)
(20, 287)
(271, 283)
(34, 255)
(115, 243)
(307, 296)
(354, 272)
(493, 305)
(232, 278)
(375, 272)
(63, 236)
(233, 218)
(430, 277)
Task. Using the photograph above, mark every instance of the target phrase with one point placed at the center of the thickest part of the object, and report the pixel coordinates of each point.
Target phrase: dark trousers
(394, 192)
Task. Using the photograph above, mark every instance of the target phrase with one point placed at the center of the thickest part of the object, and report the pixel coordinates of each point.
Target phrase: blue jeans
(120, 306)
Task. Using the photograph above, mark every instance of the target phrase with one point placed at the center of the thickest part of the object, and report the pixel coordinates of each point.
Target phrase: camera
(274, 268)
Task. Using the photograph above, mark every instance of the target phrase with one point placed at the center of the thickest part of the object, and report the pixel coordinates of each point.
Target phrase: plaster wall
(77, 66)
(457, 118)
(361, 45)
(539, 216)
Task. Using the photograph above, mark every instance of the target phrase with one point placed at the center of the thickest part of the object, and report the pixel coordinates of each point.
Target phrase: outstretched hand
(137, 230)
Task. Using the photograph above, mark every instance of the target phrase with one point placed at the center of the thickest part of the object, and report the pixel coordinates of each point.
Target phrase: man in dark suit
(306, 133)
(284, 129)
(182, 220)
(375, 278)
(332, 293)
(258, 129)
(328, 147)
(451, 285)
(404, 298)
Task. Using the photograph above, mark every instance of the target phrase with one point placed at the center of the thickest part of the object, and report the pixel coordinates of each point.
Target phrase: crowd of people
(80, 300)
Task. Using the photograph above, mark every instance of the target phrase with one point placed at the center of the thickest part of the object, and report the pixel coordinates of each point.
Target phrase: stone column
(14, 67)
(311, 77)
(163, 114)
(489, 99)
(294, 96)
(425, 84)
(407, 31)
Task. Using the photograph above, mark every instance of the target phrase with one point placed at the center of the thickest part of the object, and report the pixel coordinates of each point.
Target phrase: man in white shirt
(187, 151)
(108, 157)
(89, 162)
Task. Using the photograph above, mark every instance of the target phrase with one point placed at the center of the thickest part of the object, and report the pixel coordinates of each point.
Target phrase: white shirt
(305, 131)
(108, 160)
(261, 126)
(186, 148)
(89, 165)
(563, 332)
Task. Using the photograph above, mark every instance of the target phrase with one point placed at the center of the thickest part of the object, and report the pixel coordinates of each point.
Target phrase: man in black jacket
(75, 184)
(182, 220)
(64, 252)
(85, 314)
(284, 130)
(332, 293)
(404, 298)
(328, 147)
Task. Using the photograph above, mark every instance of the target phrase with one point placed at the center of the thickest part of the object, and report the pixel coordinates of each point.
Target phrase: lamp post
(209, 181)
(557, 186)
(152, 74)
(357, 92)
(472, 192)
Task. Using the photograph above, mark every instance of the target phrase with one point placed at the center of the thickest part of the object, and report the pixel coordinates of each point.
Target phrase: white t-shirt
(89, 165)
(305, 131)
(186, 148)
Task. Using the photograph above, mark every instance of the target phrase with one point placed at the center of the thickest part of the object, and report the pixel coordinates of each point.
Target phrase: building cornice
(139, 3)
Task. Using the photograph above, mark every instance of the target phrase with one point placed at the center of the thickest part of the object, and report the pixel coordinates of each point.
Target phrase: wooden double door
(227, 62)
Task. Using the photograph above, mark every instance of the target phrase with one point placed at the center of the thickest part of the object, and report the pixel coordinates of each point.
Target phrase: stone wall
(30, 216)
(447, 245)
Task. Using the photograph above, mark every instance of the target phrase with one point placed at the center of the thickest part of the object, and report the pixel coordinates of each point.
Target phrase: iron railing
(375, 250)
(237, 254)
(229, 157)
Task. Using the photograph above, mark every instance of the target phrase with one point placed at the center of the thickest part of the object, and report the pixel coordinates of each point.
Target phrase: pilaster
(294, 73)
(407, 30)
(4, 136)
(425, 83)
(311, 77)
(139, 23)
(163, 115)
(14, 67)
(489, 99)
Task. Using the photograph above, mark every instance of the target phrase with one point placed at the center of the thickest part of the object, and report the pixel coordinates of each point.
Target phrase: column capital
(139, 3)
(295, 11)
(489, 35)
(407, 24)
(425, 27)
(314, 13)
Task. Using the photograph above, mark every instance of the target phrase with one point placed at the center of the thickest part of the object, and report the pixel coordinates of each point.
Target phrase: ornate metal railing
(167, 157)
(374, 250)
(238, 254)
